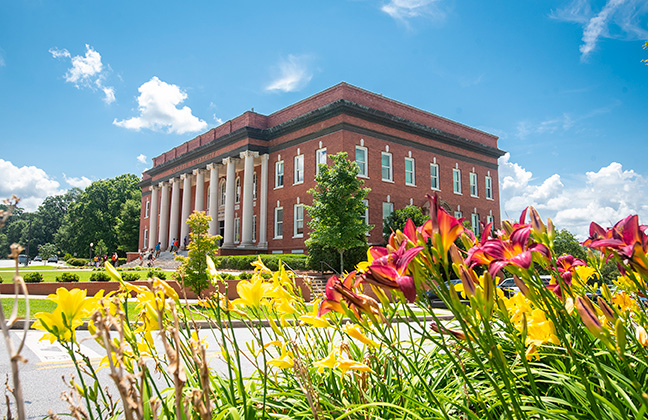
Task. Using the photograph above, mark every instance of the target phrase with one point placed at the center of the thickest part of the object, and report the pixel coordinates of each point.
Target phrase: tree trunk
(341, 261)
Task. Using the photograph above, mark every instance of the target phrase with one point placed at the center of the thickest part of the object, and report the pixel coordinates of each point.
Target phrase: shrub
(244, 262)
(67, 256)
(0, 279)
(130, 276)
(99, 276)
(67, 277)
(318, 252)
(156, 273)
(34, 277)
(77, 262)
(193, 268)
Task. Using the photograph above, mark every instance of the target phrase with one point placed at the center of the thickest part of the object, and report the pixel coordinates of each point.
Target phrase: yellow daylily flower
(71, 307)
(252, 293)
(168, 290)
(260, 266)
(540, 330)
(352, 331)
(625, 302)
(329, 362)
(349, 364)
(583, 273)
(285, 359)
(313, 319)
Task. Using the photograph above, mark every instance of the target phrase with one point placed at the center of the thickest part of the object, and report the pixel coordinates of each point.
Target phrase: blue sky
(91, 90)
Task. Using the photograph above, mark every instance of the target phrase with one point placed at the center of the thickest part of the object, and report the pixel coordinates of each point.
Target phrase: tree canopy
(338, 207)
(396, 220)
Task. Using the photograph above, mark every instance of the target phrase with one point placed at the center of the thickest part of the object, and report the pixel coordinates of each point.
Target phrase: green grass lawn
(84, 275)
(32, 268)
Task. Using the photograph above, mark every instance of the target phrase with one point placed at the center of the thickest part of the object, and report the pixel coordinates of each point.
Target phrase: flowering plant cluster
(562, 345)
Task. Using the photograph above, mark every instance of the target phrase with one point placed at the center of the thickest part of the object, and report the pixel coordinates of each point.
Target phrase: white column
(200, 190)
(164, 215)
(153, 217)
(228, 240)
(186, 207)
(175, 210)
(263, 208)
(213, 197)
(246, 220)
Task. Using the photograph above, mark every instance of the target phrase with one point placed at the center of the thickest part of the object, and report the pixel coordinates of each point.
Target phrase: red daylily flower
(626, 238)
(448, 227)
(338, 290)
(515, 250)
(566, 265)
(389, 270)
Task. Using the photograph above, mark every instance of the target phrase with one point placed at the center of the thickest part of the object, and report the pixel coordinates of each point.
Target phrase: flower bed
(572, 348)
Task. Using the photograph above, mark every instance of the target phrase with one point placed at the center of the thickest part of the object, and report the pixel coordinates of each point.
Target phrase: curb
(19, 324)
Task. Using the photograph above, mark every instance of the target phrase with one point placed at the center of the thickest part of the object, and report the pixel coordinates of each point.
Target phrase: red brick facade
(338, 119)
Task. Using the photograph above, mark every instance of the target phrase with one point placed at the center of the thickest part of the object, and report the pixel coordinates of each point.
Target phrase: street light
(91, 251)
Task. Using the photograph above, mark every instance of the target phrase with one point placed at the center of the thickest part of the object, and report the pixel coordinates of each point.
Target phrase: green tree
(338, 207)
(396, 220)
(128, 223)
(94, 214)
(566, 243)
(47, 250)
(193, 268)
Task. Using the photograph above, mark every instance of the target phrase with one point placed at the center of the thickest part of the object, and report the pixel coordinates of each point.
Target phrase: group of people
(99, 260)
(151, 255)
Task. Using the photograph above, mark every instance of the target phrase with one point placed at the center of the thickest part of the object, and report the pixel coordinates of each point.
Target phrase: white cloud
(294, 74)
(605, 197)
(2, 61)
(77, 182)
(157, 105)
(141, 158)
(617, 19)
(560, 123)
(31, 184)
(86, 72)
(404, 10)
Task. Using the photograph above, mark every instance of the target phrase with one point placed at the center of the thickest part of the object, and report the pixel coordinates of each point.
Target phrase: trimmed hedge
(67, 277)
(34, 277)
(244, 262)
(126, 276)
(77, 262)
(156, 273)
(318, 252)
(99, 276)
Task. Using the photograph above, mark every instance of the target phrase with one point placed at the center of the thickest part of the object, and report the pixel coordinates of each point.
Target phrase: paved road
(48, 364)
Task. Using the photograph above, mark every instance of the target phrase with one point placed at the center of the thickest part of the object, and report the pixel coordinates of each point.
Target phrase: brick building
(252, 173)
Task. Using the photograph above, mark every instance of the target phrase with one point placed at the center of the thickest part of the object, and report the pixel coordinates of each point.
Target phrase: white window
(148, 208)
(237, 190)
(278, 225)
(387, 172)
(223, 190)
(254, 227)
(320, 159)
(456, 181)
(145, 238)
(299, 220)
(458, 214)
(387, 210)
(279, 174)
(434, 176)
(254, 186)
(489, 188)
(299, 169)
(361, 160)
(409, 172)
(490, 219)
(473, 185)
(237, 230)
(474, 219)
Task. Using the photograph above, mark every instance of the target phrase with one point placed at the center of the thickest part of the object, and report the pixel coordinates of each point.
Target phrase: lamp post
(91, 251)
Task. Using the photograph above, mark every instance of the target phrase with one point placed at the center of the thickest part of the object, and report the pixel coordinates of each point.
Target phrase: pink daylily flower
(389, 271)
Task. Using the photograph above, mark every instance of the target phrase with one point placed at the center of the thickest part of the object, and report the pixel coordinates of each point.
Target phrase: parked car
(509, 287)
(433, 297)
(38, 258)
(53, 258)
(22, 259)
